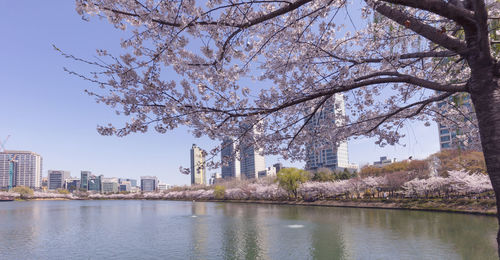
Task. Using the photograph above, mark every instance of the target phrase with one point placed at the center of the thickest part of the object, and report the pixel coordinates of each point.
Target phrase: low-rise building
(124, 186)
(269, 171)
(163, 186)
(72, 184)
(57, 178)
(149, 183)
(278, 167)
(384, 161)
(109, 186)
(133, 182)
(95, 183)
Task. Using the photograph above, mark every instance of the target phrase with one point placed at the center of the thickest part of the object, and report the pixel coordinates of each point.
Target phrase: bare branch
(462, 16)
(424, 30)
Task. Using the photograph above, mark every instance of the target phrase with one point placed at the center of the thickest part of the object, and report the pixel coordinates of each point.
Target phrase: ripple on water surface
(167, 230)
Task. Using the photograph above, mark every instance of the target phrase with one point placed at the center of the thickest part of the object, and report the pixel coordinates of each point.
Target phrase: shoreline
(464, 206)
(492, 212)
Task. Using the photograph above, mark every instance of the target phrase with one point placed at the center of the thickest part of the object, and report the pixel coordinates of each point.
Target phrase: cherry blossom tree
(275, 64)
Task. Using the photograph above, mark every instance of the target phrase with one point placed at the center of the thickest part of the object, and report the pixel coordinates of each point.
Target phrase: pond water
(207, 230)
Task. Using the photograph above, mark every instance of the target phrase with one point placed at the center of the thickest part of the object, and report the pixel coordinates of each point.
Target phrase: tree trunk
(486, 99)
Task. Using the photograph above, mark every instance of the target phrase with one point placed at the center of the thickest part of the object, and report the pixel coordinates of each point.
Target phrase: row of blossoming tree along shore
(456, 184)
(445, 175)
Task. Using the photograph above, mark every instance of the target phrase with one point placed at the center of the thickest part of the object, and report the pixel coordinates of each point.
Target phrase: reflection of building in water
(327, 243)
(244, 232)
(200, 230)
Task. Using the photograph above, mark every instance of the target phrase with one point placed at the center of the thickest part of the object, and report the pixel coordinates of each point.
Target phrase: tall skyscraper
(242, 158)
(229, 158)
(323, 154)
(252, 161)
(20, 168)
(149, 183)
(197, 166)
(57, 178)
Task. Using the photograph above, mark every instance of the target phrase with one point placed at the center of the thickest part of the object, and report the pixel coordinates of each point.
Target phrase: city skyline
(58, 120)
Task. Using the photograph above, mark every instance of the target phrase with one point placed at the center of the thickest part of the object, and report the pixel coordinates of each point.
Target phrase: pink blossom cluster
(260, 63)
(457, 182)
(52, 195)
(257, 191)
(9, 194)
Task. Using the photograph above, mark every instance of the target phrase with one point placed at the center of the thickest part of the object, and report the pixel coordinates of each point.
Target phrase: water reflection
(199, 230)
(241, 233)
(163, 229)
(346, 233)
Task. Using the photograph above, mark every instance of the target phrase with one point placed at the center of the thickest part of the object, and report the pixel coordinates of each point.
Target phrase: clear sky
(46, 111)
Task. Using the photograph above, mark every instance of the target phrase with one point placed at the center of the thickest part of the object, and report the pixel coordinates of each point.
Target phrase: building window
(445, 138)
(445, 145)
(444, 131)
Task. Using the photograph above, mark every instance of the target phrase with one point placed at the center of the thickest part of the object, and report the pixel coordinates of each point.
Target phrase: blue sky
(45, 110)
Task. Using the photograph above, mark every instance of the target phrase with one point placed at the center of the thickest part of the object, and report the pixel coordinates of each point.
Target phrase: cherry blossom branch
(263, 18)
(422, 104)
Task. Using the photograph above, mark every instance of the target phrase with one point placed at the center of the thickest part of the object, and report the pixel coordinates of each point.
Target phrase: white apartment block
(321, 155)
(26, 169)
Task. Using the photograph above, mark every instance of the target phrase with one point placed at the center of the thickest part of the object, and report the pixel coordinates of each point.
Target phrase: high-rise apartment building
(321, 154)
(449, 131)
(197, 166)
(251, 159)
(229, 158)
(149, 183)
(242, 158)
(20, 168)
(57, 178)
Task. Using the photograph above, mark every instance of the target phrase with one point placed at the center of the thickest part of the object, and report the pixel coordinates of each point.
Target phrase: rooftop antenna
(2, 144)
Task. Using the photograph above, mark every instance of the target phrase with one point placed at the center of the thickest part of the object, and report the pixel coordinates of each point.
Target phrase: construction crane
(2, 144)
